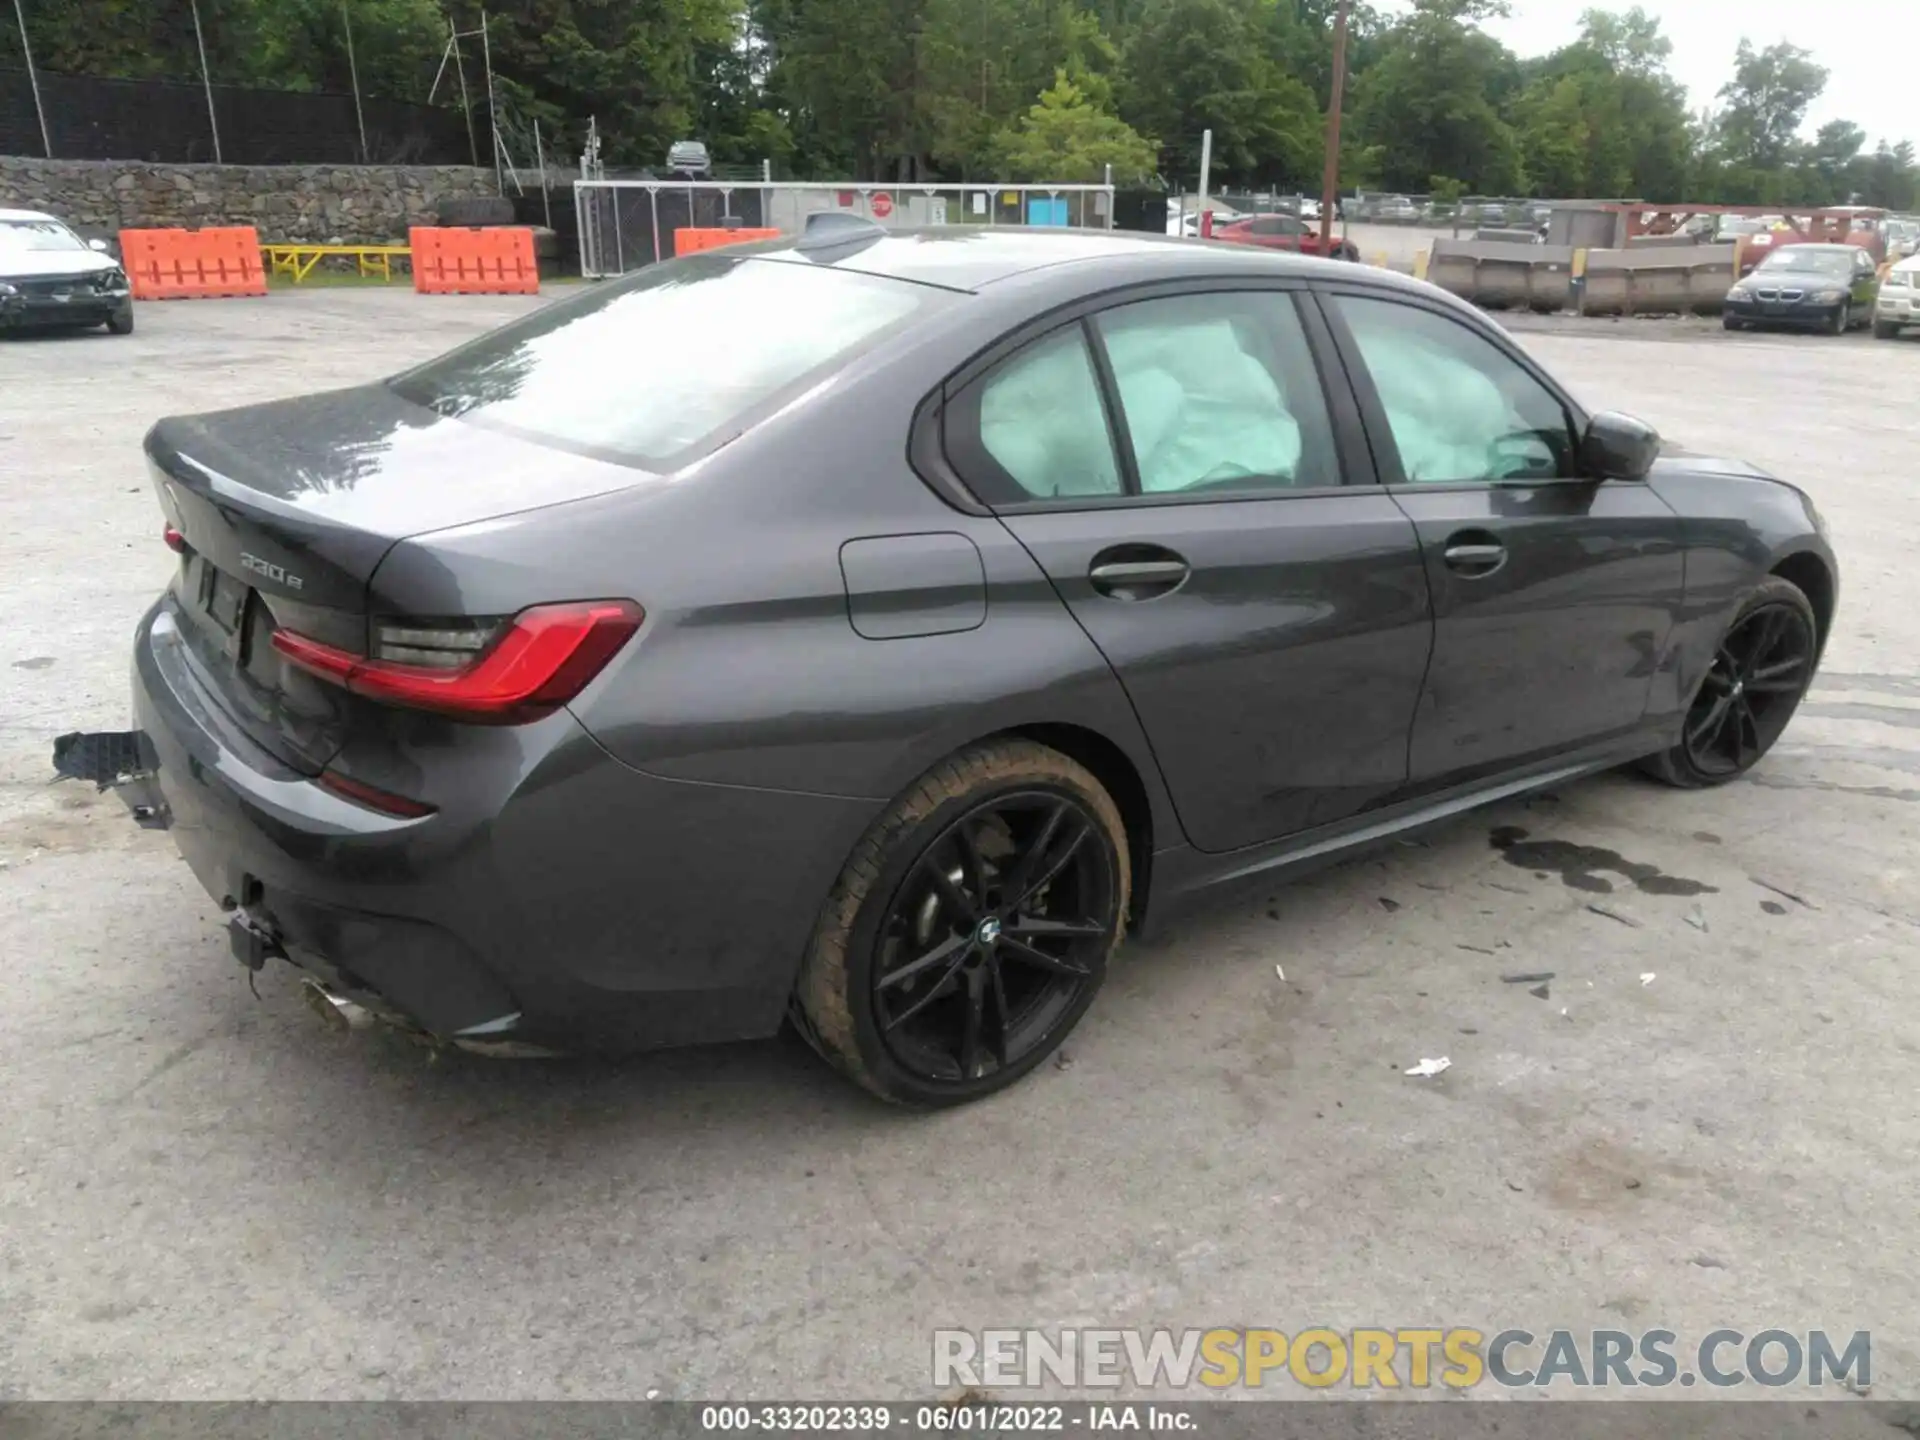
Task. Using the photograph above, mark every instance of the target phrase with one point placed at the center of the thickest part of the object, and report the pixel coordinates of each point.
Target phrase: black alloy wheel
(1752, 688)
(994, 936)
(1759, 672)
(1750, 691)
(971, 927)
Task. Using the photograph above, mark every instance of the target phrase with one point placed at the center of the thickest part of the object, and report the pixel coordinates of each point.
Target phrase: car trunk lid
(283, 512)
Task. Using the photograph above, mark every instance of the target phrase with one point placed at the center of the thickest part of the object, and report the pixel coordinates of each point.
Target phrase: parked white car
(52, 279)
(1899, 302)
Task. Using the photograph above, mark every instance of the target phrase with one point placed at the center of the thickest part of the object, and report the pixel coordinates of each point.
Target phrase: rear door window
(1210, 393)
(660, 368)
(1043, 424)
(1220, 392)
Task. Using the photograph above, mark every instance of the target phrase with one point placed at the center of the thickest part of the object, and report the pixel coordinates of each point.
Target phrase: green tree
(1765, 103)
(1629, 42)
(1551, 117)
(1602, 118)
(1431, 105)
(1064, 137)
(1888, 177)
(1830, 163)
(1194, 65)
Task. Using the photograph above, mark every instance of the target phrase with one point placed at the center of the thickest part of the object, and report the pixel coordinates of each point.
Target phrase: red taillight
(175, 541)
(372, 796)
(541, 659)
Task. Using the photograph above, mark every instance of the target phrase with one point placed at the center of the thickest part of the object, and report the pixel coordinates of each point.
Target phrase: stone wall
(351, 205)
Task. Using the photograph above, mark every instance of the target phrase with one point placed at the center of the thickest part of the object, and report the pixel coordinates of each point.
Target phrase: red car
(1282, 232)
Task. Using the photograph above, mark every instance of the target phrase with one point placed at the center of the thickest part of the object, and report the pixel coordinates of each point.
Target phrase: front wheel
(120, 322)
(970, 929)
(1842, 320)
(1732, 322)
(1759, 673)
(1885, 330)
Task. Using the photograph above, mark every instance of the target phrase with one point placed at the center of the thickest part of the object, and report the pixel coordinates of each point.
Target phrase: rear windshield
(667, 364)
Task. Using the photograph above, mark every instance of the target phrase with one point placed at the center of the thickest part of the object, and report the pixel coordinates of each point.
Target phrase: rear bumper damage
(407, 974)
(574, 905)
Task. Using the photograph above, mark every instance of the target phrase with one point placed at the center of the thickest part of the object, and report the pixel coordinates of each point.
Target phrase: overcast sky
(1870, 79)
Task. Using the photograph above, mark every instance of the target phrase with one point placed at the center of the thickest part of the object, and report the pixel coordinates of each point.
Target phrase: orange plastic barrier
(193, 264)
(458, 261)
(689, 241)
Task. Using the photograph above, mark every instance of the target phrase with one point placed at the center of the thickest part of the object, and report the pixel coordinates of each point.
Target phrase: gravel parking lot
(204, 1194)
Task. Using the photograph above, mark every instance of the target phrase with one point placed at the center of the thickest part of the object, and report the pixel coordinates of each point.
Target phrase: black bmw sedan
(52, 279)
(1807, 287)
(871, 628)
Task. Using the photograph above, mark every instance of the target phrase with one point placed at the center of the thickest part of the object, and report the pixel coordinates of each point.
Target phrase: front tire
(1732, 322)
(1883, 330)
(971, 928)
(1842, 319)
(121, 322)
(1760, 672)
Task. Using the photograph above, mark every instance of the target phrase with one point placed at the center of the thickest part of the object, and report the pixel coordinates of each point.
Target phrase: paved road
(204, 1194)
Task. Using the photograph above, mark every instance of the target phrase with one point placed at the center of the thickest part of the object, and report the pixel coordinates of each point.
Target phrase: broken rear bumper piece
(125, 762)
(119, 760)
(260, 930)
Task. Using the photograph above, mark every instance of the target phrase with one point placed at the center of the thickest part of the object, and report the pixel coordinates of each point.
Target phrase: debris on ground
(1646, 977)
(1062, 1061)
(1707, 1262)
(1476, 949)
(1627, 920)
(1539, 992)
(1510, 889)
(1784, 893)
(1532, 977)
(1697, 918)
(1278, 971)
(1389, 905)
(1428, 1068)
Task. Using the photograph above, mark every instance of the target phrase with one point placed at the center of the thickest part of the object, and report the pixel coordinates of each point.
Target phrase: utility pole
(1330, 175)
(206, 80)
(1205, 228)
(353, 69)
(33, 80)
(493, 115)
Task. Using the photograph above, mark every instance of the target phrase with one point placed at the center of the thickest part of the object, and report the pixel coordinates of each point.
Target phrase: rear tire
(1750, 692)
(915, 985)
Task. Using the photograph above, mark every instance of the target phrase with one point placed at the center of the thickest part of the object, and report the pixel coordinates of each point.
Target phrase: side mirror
(1618, 447)
(98, 244)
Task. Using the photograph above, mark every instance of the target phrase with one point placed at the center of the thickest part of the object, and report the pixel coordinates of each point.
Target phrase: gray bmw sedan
(869, 628)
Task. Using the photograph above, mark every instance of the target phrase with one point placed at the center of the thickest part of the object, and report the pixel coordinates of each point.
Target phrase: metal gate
(625, 224)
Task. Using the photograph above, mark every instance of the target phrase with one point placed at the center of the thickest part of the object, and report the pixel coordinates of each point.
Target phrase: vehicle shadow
(69, 334)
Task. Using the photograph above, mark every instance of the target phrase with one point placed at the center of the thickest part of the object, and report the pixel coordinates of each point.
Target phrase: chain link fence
(165, 122)
(625, 224)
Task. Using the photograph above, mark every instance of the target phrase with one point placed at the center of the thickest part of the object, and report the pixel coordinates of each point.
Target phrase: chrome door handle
(1475, 559)
(1138, 572)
